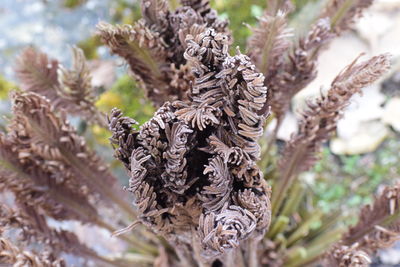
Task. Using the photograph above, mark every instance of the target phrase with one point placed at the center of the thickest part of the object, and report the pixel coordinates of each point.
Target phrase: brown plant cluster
(193, 164)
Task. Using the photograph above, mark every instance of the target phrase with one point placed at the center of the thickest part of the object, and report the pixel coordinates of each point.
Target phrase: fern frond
(54, 133)
(343, 13)
(299, 70)
(70, 90)
(269, 42)
(320, 119)
(145, 54)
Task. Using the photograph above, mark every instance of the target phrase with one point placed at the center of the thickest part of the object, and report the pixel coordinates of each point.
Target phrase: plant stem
(278, 226)
(338, 16)
(316, 248)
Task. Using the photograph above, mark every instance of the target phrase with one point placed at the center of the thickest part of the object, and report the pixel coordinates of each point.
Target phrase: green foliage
(249, 11)
(73, 3)
(89, 47)
(349, 180)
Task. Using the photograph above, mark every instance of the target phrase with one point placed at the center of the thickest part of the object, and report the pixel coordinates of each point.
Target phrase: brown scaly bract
(193, 164)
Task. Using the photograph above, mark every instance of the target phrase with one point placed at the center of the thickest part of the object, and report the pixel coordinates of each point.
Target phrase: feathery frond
(299, 70)
(60, 142)
(320, 119)
(11, 254)
(70, 90)
(269, 42)
(343, 13)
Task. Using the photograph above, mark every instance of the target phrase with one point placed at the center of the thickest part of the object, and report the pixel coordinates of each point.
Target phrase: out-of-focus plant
(195, 166)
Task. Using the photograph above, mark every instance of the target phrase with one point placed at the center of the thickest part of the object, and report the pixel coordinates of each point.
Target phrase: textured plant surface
(208, 186)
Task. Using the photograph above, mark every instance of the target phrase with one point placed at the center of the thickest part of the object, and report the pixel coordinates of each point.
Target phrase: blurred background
(365, 151)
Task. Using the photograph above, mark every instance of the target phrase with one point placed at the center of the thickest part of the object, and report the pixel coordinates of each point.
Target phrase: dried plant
(161, 157)
(343, 13)
(195, 168)
(378, 227)
(68, 89)
(320, 119)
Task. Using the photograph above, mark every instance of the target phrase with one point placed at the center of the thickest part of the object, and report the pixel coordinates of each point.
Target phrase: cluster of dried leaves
(197, 188)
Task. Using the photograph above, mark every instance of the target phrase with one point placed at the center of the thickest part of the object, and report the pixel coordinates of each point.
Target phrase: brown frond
(70, 90)
(378, 224)
(201, 6)
(269, 42)
(217, 193)
(155, 13)
(11, 254)
(76, 91)
(154, 46)
(175, 173)
(378, 227)
(123, 136)
(36, 231)
(37, 73)
(25, 176)
(320, 119)
(344, 256)
(224, 231)
(299, 70)
(60, 142)
(343, 13)
(144, 52)
(258, 204)
(196, 157)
